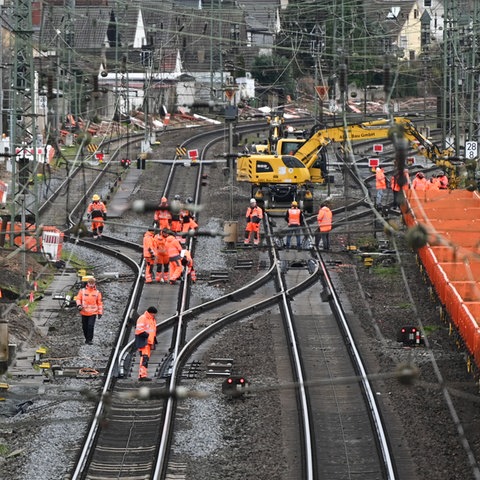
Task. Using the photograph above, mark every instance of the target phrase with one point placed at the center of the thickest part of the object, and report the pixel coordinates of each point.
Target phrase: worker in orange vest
(175, 209)
(420, 182)
(149, 248)
(162, 216)
(294, 219)
(90, 305)
(380, 185)
(97, 213)
(399, 183)
(161, 258)
(187, 262)
(145, 340)
(324, 220)
(254, 217)
(174, 249)
(443, 180)
(189, 226)
(433, 183)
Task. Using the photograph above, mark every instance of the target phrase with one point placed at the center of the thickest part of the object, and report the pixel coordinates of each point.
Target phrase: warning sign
(373, 162)
(193, 155)
(322, 92)
(378, 148)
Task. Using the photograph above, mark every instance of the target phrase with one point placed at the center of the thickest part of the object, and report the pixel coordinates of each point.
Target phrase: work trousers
(88, 326)
(144, 358)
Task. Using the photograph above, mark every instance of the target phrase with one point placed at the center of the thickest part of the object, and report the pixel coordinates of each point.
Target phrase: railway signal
(234, 386)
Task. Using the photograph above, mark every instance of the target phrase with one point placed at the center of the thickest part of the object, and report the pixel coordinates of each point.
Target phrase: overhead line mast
(23, 124)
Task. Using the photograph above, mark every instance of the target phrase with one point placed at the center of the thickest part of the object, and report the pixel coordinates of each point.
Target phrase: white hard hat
(252, 200)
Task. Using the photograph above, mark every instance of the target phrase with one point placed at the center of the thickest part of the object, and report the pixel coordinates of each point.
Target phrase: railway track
(123, 423)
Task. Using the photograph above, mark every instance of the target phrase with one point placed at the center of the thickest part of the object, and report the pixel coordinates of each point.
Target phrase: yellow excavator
(289, 165)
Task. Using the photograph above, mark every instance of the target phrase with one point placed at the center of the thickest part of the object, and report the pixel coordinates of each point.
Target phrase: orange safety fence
(31, 241)
(452, 255)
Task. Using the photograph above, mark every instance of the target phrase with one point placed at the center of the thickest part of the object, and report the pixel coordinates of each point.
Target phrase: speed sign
(471, 150)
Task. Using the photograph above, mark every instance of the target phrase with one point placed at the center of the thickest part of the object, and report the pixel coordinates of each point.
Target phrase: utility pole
(24, 137)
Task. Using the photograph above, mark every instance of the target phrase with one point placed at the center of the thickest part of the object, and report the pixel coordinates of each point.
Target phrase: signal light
(234, 386)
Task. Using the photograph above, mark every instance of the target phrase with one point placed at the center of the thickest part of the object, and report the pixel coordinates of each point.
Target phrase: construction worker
(145, 341)
(149, 248)
(174, 249)
(97, 214)
(189, 226)
(90, 305)
(161, 256)
(433, 183)
(254, 217)
(420, 182)
(443, 181)
(187, 262)
(175, 209)
(399, 183)
(380, 185)
(162, 216)
(324, 220)
(294, 219)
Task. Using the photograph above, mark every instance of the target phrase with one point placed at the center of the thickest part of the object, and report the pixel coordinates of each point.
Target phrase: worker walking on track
(324, 220)
(90, 305)
(294, 219)
(254, 217)
(145, 341)
(174, 250)
(162, 216)
(97, 214)
(149, 248)
(162, 260)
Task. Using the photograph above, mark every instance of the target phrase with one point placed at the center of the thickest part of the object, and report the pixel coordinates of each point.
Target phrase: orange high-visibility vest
(91, 301)
(324, 219)
(294, 216)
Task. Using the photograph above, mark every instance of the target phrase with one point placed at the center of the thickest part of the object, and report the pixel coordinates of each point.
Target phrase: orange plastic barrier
(452, 256)
(31, 242)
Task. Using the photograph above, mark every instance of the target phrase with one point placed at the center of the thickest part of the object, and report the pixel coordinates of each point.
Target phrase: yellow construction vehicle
(291, 165)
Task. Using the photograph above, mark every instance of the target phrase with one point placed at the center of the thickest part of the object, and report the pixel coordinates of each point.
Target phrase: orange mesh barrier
(452, 255)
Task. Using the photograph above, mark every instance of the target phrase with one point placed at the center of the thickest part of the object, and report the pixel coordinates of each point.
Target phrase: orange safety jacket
(380, 179)
(149, 245)
(91, 301)
(294, 216)
(146, 323)
(162, 217)
(189, 223)
(443, 182)
(434, 184)
(420, 183)
(160, 245)
(403, 179)
(97, 210)
(174, 248)
(324, 219)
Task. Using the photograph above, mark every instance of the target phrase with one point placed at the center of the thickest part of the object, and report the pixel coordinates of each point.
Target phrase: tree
(273, 71)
